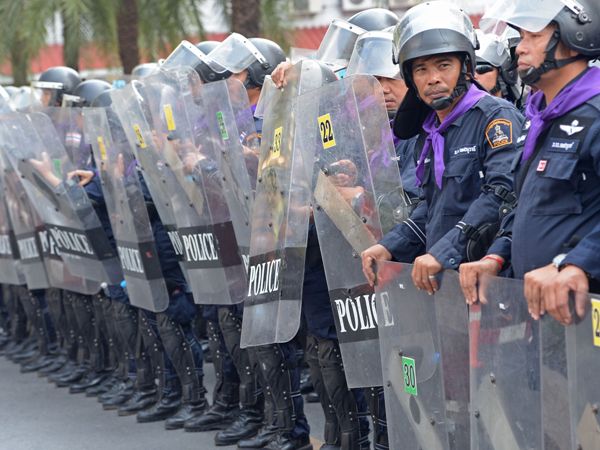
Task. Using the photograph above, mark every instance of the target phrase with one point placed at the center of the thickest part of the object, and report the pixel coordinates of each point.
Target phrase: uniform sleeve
(499, 149)
(406, 161)
(406, 240)
(502, 245)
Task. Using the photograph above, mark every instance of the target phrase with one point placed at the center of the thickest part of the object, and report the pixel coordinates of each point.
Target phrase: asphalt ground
(35, 415)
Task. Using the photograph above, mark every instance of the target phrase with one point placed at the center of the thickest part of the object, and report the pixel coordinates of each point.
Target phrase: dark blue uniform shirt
(479, 150)
(559, 196)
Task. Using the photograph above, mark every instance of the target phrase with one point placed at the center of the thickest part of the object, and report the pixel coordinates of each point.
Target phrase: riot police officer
(54, 83)
(551, 238)
(464, 148)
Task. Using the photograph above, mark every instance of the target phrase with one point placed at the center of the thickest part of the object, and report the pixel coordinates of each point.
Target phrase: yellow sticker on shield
(138, 134)
(102, 148)
(169, 117)
(277, 136)
(326, 128)
(596, 321)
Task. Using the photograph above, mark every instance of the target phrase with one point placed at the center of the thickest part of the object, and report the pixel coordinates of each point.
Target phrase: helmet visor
(493, 50)
(529, 15)
(234, 54)
(185, 55)
(372, 55)
(338, 43)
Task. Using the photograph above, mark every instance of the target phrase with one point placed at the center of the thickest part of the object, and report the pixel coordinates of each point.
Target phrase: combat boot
(265, 435)
(221, 413)
(141, 399)
(248, 422)
(285, 441)
(167, 406)
(118, 396)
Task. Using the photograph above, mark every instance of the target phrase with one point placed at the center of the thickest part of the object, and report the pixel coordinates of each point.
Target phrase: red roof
(308, 37)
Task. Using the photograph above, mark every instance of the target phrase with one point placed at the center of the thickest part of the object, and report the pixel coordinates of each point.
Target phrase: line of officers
(497, 142)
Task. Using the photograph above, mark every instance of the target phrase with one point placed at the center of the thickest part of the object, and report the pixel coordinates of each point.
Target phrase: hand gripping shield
(356, 180)
(424, 355)
(201, 136)
(504, 360)
(126, 206)
(28, 206)
(63, 205)
(281, 210)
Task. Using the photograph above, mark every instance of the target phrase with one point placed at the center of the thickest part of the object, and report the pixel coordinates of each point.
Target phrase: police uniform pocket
(461, 185)
(556, 191)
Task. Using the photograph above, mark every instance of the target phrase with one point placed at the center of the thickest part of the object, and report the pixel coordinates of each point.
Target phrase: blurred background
(108, 38)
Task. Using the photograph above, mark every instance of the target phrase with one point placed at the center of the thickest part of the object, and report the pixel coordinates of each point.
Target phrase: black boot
(76, 374)
(284, 441)
(41, 362)
(265, 435)
(221, 414)
(91, 379)
(167, 406)
(247, 425)
(194, 406)
(58, 363)
(117, 396)
(103, 387)
(141, 399)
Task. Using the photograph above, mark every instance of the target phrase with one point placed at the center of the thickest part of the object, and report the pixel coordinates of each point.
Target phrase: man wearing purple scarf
(552, 238)
(464, 147)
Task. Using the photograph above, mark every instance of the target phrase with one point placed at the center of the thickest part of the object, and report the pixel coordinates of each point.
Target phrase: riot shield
(70, 220)
(583, 367)
(126, 206)
(198, 125)
(556, 423)
(11, 271)
(355, 170)
(281, 210)
(173, 166)
(424, 357)
(68, 123)
(505, 358)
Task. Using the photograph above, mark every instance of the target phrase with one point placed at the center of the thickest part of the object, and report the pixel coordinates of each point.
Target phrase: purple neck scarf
(572, 96)
(435, 136)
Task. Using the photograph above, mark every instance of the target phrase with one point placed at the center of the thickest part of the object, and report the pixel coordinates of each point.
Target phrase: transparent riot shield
(556, 423)
(356, 174)
(68, 123)
(281, 210)
(11, 271)
(70, 220)
(504, 360)
(126, 206)
(583, 367)
(172, 170)
(199, 129)
(425, 362)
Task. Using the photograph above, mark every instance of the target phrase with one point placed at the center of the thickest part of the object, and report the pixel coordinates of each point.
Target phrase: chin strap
(533, 74)
(445, 102)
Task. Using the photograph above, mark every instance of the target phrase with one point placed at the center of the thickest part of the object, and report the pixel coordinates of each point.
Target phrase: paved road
(36, 415)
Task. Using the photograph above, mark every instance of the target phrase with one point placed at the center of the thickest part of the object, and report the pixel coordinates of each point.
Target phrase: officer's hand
(424, 273)
(556, 294)
(535, 282)
(278, 75)
(369, 256)
(343, 173)
(85, 176)
(472, 276)
(44, 168)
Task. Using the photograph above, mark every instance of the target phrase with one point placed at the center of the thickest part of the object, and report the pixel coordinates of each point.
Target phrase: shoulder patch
(499, 133)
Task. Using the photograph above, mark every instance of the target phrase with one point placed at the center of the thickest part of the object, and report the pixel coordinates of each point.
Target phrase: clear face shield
(185, 55)
(234, 54)
(372, 55)
(493, 50)
(46, 93)
(338, 43)
(530, 15)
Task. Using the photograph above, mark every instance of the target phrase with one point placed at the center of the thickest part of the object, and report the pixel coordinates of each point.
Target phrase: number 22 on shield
(326, 129)
(409, 372)
(596, 321)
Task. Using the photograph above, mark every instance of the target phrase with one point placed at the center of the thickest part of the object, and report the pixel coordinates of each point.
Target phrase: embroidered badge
(499, 133)
(542, 165)
(572, 129)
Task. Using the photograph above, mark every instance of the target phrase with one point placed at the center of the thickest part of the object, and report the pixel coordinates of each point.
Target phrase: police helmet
(273, 55)
(60, 80)
(207, 46)
(372, 55)
(374, 19)
(103, 99)
(88, 90)
(143, 70)
(434, 28)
